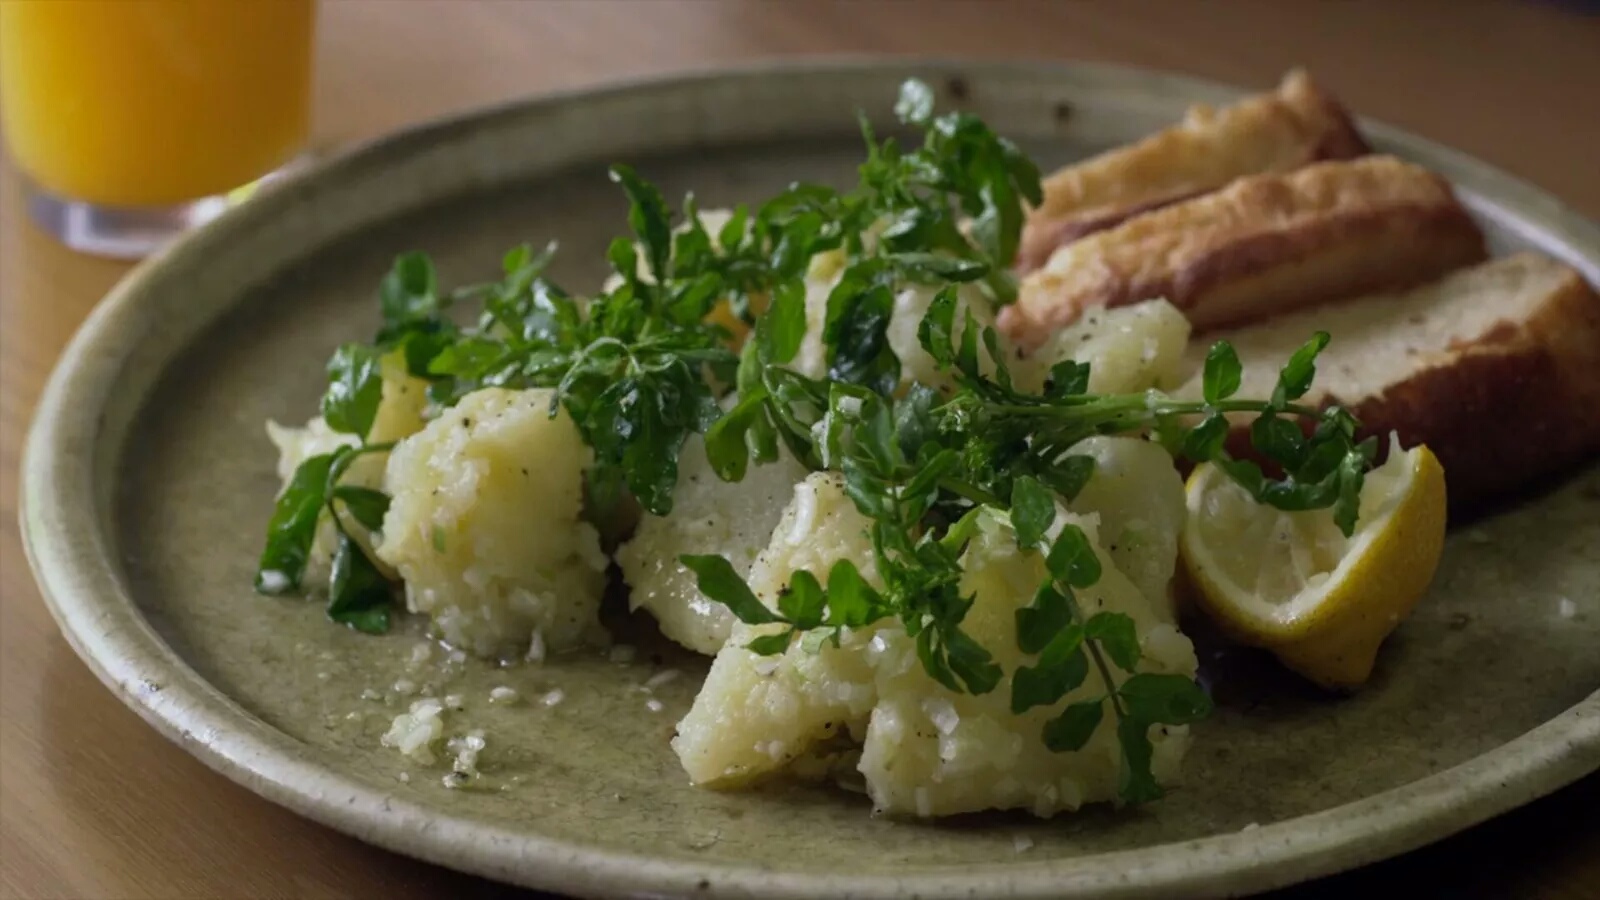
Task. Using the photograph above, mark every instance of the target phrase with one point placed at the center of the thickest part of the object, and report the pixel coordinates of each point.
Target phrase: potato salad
(924, 563)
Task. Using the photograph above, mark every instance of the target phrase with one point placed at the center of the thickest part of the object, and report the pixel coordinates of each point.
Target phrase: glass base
(131, 232)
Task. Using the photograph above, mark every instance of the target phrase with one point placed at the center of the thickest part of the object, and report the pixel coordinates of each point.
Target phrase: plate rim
(82, 588)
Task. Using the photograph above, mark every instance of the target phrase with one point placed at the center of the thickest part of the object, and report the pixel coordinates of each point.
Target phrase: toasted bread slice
(1277, 131)
(1495, 367)
(1260, 247)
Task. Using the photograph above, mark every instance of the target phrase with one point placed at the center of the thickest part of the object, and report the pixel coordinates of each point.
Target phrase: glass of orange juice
(134, 120)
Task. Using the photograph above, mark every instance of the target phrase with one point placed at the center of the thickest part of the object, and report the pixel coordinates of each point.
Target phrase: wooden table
(94, 804)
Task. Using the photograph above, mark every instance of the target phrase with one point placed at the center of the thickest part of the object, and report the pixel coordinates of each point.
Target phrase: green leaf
(914, 421)
(783, 328)
(1205, 441)
(726, 447)
(991, 343)
(717, 579)
(1280, 440)
(638, 425)
(733, 231)
(1164, 699)
(355, 388)
(358, 594)
(1222, 374)
(1352, 475)
(936, 268)
(293, 527)
(935, 331)
(1045, 684)
(366, 505)
(1070, 730)
(1068, 477)
(1117, 635)
(852, 602)
(1033, 511)
(1039, 622)
(967, 355)
(1136, 783)
(802, 602)
(869, 492)
(649, 219)
(1294, 379)
(1068, 378)
(1072, 558)
(409, 290)
(771, 644)
(915, 104)
(972, 664)
(857, 337)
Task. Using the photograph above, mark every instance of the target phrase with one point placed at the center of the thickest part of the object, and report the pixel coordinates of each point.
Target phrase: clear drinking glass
(134, 120)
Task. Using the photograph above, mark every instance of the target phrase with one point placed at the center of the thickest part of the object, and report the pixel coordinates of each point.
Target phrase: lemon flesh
(1292, 583)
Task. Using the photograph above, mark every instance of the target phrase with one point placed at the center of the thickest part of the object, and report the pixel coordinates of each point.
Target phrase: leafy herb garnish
(642, 365)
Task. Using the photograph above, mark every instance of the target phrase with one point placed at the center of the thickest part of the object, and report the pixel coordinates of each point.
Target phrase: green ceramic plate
(148, 479)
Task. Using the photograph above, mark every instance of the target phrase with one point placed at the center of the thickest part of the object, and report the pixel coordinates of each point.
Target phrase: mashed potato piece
(484, 526)
(709, 515)
(399, 415)
(756, 715)
(925, 751)
(1128, 349)
(1138, 495)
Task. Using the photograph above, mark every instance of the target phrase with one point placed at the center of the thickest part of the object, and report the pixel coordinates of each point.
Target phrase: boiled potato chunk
(709, 515)
(1138, 496)
(1128, 349)
(755, 714)
(925, 751)
(484, 526)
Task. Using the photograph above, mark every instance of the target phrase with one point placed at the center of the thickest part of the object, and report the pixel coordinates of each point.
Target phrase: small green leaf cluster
(1323, 466)
(1053, 626)
(358, 594)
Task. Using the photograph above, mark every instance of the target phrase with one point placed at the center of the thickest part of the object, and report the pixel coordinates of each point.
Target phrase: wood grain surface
(95, 804)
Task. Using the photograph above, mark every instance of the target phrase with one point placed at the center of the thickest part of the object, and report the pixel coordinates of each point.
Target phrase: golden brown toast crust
(1262, 246)
(1278, 131)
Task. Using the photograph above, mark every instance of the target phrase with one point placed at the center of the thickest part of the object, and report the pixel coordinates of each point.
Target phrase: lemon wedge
(1292, 583)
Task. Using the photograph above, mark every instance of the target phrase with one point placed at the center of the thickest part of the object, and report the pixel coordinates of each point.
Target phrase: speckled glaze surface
(148, 479)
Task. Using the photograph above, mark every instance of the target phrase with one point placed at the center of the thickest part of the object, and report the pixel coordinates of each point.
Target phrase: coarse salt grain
(454, 701)
(1021, 843)
(653, 705)
(405, 777)
(621, 653)
(502, 694)
(660, 678)
(420, 653)
(1566, 608)
(405, 686)
(273, 582)
(370, 694)
(536, 648)
(553, 697)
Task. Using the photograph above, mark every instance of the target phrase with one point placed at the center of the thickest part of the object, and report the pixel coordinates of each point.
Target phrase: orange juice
(153, 102)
